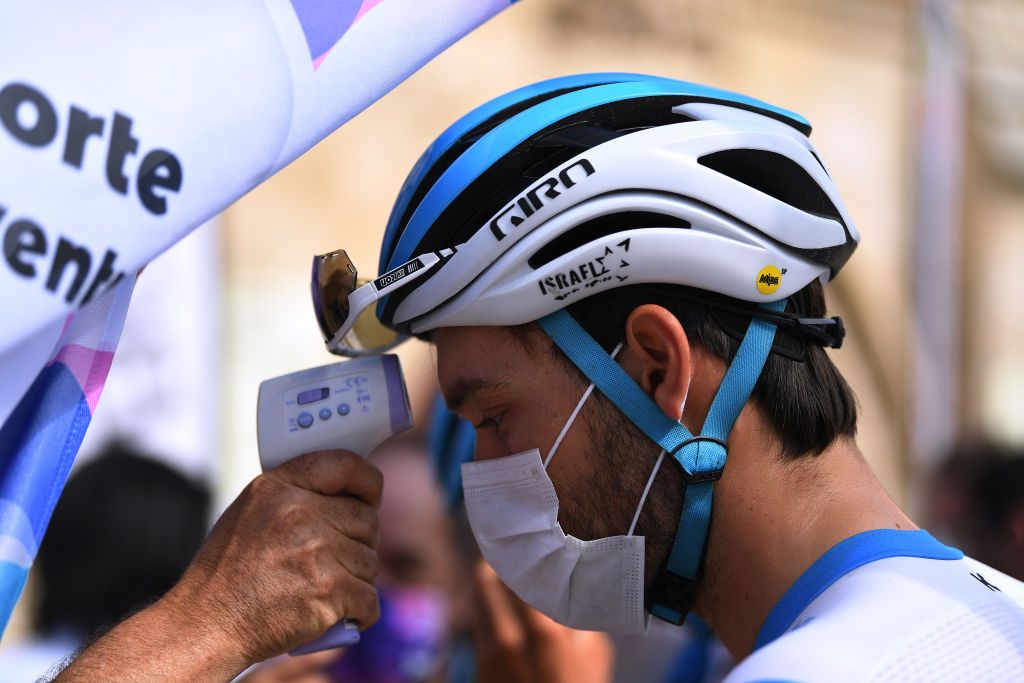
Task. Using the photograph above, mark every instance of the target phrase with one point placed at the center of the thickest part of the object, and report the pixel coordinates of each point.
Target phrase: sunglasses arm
(367, 295)
(358, 301)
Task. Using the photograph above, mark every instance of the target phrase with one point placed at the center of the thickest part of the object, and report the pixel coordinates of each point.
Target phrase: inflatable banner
(124, 125)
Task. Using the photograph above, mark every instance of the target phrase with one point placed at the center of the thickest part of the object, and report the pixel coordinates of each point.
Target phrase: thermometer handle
(342, 634)
(370, 403)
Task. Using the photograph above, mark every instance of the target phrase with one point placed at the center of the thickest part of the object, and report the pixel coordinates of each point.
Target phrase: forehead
(477, 355)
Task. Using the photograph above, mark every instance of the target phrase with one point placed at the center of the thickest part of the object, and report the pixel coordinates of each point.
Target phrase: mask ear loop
(647, 489)
(654, 473)
(575, 412)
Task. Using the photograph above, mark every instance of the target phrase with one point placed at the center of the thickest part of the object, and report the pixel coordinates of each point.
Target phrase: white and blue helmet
(577, 185)
(580, 185)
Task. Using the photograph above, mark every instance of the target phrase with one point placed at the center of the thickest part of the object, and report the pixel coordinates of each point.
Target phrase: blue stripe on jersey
(842, 559)
(503, 138)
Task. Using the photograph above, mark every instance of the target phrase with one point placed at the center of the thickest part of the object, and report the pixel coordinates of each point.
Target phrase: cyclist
(667, 244)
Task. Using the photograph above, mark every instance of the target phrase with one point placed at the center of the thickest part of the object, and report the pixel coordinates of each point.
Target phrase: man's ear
(657, 357)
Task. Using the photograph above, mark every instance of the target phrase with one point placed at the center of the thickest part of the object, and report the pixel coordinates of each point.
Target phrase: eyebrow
(468, 388)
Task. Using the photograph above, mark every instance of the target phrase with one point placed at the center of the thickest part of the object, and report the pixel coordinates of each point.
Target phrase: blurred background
(918, 112)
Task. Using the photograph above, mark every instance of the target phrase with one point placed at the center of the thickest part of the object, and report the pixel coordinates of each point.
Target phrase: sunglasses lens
(368, 333)
(334, 278)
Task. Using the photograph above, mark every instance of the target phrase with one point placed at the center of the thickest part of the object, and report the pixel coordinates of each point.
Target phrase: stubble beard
(605, 496)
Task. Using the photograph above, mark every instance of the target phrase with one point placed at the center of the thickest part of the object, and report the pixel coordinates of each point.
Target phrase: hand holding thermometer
(354, 405)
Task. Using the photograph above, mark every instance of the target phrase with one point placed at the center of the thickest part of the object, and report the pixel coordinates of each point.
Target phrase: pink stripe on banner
(89, 367)
(367, 6)
(67, 324)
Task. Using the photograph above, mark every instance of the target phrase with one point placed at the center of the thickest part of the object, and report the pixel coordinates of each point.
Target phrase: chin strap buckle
(700, 475)
(671, 596)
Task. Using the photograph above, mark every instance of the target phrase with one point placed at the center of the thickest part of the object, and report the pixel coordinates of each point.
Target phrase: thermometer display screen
(313, 395)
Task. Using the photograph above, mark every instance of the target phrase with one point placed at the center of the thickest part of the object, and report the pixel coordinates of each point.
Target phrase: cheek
(518, 433)
(488, 446)
(572, 461)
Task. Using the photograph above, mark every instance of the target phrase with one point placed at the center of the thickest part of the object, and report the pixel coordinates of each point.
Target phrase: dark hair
(806, 401)
(125, 529)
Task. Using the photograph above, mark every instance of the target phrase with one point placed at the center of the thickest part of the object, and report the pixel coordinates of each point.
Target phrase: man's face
(518, 392)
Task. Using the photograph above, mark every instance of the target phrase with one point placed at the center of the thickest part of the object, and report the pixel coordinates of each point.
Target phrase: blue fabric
(694, 659)
(40, 437)
(666, 613)
(12, 579)
(842, 559)
(704, 456)
(38, 444)
(696, 456)
(515, 130)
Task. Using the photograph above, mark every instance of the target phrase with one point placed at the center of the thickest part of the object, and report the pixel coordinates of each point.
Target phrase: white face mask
(513, 510)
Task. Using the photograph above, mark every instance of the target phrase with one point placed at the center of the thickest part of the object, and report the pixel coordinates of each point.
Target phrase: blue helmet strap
(702, 457)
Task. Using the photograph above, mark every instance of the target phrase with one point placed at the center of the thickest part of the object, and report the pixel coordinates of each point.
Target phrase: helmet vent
(466, 141)
(602, 226)
(775, 175)
(818, 159)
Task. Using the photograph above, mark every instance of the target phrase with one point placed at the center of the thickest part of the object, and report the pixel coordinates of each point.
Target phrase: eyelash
(493, 421)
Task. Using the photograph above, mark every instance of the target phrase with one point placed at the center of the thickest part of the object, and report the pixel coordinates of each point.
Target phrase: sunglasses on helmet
(344, 304)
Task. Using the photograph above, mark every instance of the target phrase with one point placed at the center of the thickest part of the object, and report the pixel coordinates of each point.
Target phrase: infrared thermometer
(353, 405)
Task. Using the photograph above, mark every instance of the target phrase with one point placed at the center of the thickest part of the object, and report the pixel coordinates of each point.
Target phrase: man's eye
(493, 421)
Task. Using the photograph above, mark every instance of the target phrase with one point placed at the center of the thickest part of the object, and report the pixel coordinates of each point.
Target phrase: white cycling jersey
(891, 605)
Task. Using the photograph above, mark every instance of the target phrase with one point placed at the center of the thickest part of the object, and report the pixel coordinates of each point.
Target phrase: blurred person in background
(417, 574)
(123, 532)
(952, 489)
(996, 515)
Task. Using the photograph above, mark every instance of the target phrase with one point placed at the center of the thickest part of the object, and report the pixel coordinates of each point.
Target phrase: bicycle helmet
(579, 185)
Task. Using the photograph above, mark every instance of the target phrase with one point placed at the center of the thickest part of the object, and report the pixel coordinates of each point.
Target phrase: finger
(497, 621)
(357, 559)
(357, 600)
(333, 472)
(538, 626)
(352, 519)
(544, 636)
(540, 632)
